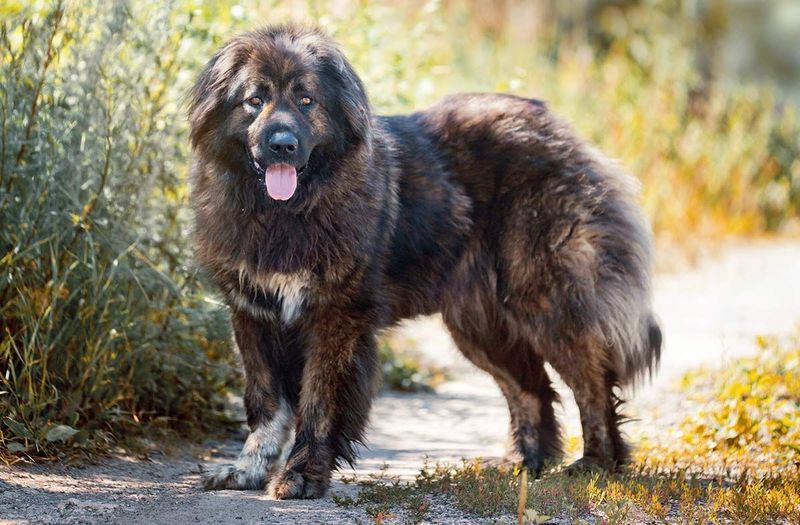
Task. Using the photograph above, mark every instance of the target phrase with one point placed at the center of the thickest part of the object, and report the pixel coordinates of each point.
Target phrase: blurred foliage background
(106, 327)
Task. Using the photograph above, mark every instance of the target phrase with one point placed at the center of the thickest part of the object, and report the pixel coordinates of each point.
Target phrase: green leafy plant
(104, 327)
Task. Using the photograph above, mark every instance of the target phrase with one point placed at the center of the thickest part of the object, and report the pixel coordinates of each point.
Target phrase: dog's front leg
(270, 383)
(339, 381)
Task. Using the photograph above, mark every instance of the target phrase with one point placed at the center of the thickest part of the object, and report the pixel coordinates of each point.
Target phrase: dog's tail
(649, 349)
(635, 348)
(630, 329)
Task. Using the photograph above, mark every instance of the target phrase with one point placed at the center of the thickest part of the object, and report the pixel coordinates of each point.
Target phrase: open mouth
(280, 179)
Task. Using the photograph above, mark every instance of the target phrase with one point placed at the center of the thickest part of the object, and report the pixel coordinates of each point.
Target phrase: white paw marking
(262, 448)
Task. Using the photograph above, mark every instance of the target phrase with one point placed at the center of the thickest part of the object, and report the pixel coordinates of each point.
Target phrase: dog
(322, 224)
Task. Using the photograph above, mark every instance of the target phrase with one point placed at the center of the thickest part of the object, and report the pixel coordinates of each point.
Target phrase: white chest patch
(290, 289)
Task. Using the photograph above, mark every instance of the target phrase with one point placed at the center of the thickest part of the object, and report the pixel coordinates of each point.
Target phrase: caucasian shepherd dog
(323, 223)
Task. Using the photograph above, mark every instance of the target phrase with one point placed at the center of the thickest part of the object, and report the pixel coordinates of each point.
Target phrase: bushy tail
(652, 345)
(647, 356)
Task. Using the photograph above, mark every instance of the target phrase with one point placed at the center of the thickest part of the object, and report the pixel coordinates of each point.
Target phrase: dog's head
(277, 107)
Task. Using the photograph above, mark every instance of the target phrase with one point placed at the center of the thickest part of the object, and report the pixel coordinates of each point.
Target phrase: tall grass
(104, 324)
(105, 328)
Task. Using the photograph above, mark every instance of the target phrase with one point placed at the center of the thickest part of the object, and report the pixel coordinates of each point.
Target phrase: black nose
(283, 142)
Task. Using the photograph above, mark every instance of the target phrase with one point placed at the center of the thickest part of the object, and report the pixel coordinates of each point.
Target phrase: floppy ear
(350, 93)
(210, 93)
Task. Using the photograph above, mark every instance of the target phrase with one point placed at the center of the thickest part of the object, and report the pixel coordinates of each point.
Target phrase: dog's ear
(208, 96)
(353, 95)
(348, 89)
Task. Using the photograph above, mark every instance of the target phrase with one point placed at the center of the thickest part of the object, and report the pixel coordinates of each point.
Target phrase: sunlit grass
(643, 494)
(744, 419)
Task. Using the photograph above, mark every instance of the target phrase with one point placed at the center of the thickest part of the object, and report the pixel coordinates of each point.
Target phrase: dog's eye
(305, 100)
(255, 101)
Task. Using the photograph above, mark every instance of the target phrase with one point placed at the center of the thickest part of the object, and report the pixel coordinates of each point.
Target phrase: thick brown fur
(486, 208)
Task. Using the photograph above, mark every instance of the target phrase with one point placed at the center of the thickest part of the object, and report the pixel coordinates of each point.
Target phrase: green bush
(104, 324)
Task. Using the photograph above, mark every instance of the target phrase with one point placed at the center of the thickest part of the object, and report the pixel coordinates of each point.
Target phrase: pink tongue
(281, 181)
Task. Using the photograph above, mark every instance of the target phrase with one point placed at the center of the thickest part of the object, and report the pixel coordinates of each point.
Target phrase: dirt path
(710, 314)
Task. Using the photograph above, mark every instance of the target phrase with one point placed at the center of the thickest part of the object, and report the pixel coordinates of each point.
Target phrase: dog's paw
(233, 477)
(294, 485)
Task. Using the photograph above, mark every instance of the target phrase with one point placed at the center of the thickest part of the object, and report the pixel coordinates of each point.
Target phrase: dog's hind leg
(520, 374)
(534, 433)
(593, 386)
